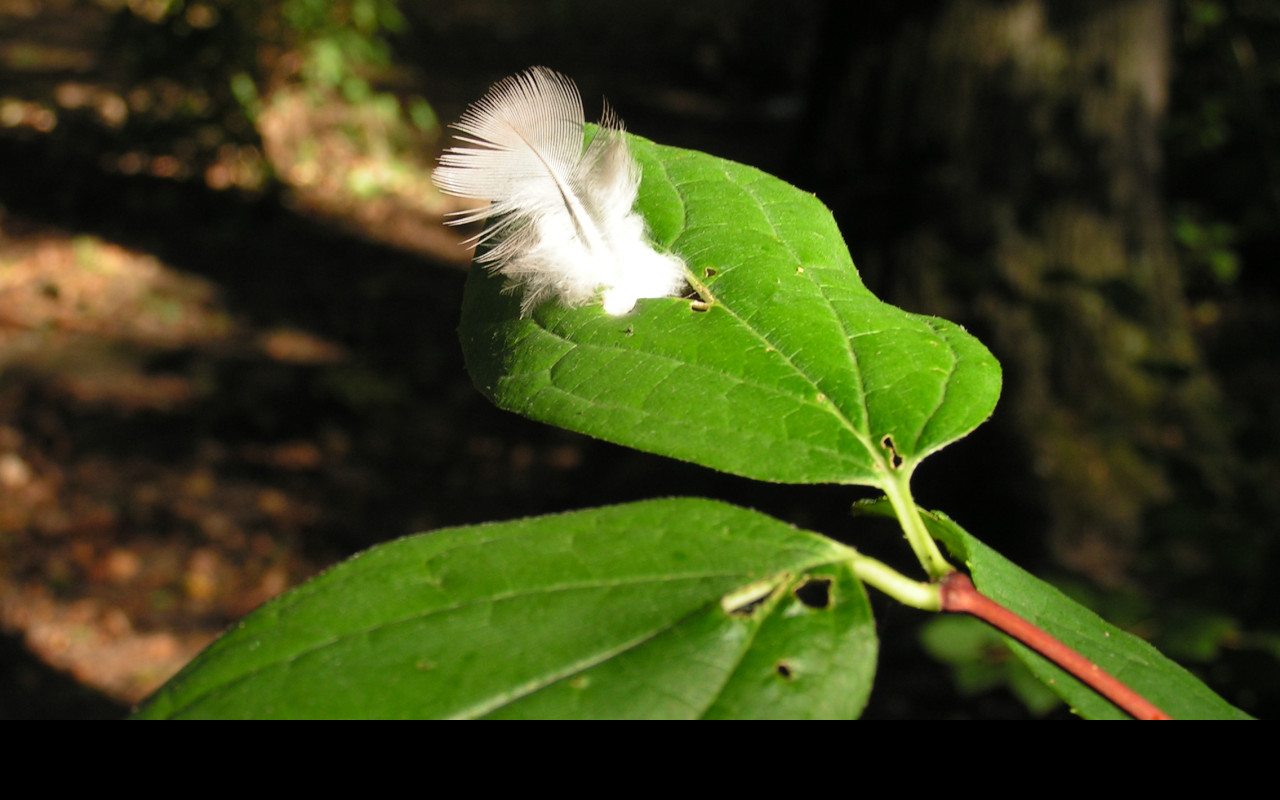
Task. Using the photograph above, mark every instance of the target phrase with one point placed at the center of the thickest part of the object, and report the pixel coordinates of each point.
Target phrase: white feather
(564, 222)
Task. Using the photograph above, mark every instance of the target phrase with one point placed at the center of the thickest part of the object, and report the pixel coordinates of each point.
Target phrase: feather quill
(562, 218)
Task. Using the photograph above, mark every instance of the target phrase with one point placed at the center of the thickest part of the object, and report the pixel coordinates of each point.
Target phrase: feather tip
(561, 218)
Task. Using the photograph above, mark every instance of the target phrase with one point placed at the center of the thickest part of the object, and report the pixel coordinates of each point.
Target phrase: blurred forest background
(227, 303)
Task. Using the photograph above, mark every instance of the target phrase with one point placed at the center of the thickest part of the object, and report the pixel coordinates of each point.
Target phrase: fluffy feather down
(563, 220)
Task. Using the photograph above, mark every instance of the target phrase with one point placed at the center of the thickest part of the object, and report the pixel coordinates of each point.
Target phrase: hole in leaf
(744, 601)
(814, 593)
(784, 671)
(711, 272)
(699, 305)
(895, 460)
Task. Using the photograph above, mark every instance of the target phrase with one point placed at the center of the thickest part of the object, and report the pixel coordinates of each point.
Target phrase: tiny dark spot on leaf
(630, 330)
(711, 272)
(784, 671)
(814, 593)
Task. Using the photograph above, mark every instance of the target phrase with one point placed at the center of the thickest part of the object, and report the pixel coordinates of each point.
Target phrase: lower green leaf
(680, 608)
(1127, 657)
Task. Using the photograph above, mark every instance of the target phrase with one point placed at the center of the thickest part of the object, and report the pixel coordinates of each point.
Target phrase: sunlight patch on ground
(119, 567)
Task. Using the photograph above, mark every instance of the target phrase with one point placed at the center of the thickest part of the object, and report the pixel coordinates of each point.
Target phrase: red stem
(960, 596)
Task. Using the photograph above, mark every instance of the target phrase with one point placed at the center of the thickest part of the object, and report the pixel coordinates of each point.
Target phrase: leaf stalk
(898, 490)
(917, 594)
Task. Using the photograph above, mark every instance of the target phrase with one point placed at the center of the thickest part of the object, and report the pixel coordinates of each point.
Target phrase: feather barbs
(563, 223)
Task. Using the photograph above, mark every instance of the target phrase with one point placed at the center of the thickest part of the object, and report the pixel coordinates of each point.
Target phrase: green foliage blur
(1223, 139)
(243, 56)
(981, 661)
(341, 38)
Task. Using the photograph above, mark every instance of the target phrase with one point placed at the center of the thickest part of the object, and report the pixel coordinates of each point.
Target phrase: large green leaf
(668, 608)
(1128, 658)
(793, 372)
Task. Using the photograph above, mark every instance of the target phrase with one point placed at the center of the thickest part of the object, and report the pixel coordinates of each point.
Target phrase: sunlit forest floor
(173, 453)
(228, 356)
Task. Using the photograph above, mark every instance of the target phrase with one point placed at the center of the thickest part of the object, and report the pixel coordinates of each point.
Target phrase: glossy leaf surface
(787, 369)
(670, 608)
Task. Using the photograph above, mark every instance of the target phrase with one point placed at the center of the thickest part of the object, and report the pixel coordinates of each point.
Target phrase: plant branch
(960, 596)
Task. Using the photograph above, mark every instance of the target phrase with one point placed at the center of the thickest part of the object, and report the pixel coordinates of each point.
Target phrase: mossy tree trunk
(1002, 167)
